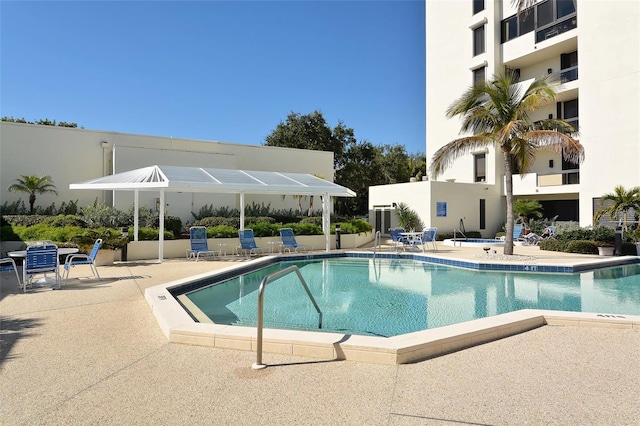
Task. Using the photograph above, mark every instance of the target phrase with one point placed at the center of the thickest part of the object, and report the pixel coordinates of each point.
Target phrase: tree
(311, 131)
(526, 209)
(43, 122)
(496, 113)
(33, 185)
(622, 201)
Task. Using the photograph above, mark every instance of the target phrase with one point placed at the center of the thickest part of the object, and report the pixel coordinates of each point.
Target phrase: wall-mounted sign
(441, 209)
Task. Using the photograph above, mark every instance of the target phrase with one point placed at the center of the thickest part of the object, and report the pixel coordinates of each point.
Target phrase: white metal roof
(196, 179)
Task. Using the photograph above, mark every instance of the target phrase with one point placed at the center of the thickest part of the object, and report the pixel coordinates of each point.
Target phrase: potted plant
(605, 248)
(113, 240)
(407, 218)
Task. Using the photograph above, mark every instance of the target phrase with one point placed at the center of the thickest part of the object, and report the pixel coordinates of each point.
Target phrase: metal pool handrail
(259, 365)
(376, 241)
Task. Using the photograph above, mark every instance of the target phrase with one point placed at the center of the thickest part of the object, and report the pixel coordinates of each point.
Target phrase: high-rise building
(592, 46)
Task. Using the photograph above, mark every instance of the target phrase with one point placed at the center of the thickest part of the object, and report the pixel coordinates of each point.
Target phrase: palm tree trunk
(508, 243)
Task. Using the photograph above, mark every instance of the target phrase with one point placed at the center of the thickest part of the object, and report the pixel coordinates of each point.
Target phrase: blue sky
(217, 70)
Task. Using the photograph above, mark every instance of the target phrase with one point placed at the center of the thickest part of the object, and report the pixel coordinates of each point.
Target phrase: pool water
(388, 297)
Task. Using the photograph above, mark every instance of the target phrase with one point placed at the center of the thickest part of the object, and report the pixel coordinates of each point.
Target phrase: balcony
(553, 183)
(556, 29)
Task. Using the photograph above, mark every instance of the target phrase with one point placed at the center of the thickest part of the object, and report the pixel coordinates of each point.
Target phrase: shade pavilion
(165, 179)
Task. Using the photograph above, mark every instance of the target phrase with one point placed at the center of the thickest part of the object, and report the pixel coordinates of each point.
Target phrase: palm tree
(496, 113)
(622, 201)
(526, 209)
(33, 185)
(521, 5)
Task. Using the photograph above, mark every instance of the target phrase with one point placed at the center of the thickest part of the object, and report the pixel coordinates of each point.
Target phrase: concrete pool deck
(93, 353)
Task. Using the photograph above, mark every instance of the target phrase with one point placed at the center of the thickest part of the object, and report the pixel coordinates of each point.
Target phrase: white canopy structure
(196, 179)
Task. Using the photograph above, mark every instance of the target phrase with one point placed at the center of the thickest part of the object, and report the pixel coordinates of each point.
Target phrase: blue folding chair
(248, 243)
(198, 243)
(8, 264)
(396, 238)
(83, 259)
(289, 241)
(40, 259)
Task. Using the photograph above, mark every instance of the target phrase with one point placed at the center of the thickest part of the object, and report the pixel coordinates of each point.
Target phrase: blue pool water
(387, 297)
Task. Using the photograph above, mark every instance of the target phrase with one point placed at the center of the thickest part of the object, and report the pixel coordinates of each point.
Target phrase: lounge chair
(8, 264)
(517, 232)
(397, 238)
(83, 259)
(198, 243)
(248, 243)
(40, 259)
(289, 241)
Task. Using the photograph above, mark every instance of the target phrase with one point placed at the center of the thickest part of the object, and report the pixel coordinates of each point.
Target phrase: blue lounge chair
(40, 259)
(289, 241)
(199, 245)
(248, 243)
(83, 259)
(517, 232)
(8, 264)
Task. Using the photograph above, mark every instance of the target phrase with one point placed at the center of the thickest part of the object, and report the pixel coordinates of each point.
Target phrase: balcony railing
(566, 177)
(569, 74)
(553, 183)
(556, 29)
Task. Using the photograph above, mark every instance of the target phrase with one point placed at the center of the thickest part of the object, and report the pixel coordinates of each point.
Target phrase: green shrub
(264, 229)
(150, 234)
(552, 244)
(314, 220)
(7, 234)
(355, 226)
(222, 231)
(217, 221)
(582, 247)
(303, 228)
(468, 234)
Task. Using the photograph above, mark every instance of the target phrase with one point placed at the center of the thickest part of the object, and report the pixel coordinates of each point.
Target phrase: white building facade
(71, 155)
(593, 46)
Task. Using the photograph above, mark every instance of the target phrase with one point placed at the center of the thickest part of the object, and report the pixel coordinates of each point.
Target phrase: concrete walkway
(93, 353)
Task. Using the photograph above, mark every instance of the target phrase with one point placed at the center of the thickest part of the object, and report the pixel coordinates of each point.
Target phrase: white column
(161, 230)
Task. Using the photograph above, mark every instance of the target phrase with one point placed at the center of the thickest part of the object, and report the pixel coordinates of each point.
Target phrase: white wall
(609, 101)
(74, 155)
(462, 202)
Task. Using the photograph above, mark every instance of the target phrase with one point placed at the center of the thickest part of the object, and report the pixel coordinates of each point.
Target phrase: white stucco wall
(462, 202)
(74, 155)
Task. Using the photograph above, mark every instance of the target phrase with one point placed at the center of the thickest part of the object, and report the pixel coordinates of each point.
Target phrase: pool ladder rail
(263, 284)
(376, 243)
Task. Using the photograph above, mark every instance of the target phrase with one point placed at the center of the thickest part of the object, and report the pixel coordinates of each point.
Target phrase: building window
(483, 213)
(548, 18)
(568, 111)
(569, 66)
(479, 75)
(478, 6)
(480, 167)
(478, 40)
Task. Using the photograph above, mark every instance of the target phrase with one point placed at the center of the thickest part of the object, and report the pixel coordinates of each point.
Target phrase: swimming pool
(391, 297)
(180, 326)
(474, 242)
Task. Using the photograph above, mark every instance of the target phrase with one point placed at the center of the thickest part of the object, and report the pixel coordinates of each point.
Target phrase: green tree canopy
(496, 113)
(33, 185)
(358, 164)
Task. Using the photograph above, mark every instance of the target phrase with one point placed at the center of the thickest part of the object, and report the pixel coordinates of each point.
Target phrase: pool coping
(179, 327)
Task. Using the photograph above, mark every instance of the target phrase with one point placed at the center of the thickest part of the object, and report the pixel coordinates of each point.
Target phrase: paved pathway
(92, 353)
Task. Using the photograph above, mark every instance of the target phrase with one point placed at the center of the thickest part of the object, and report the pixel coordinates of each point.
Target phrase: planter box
(148, 250)
(105, 257)
(605, 251)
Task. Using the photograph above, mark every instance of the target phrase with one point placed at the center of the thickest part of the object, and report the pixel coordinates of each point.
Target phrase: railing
(569, 74)
(556, 29)
(259, 365)
(376, 242)
(455, 231)
(567, 177)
